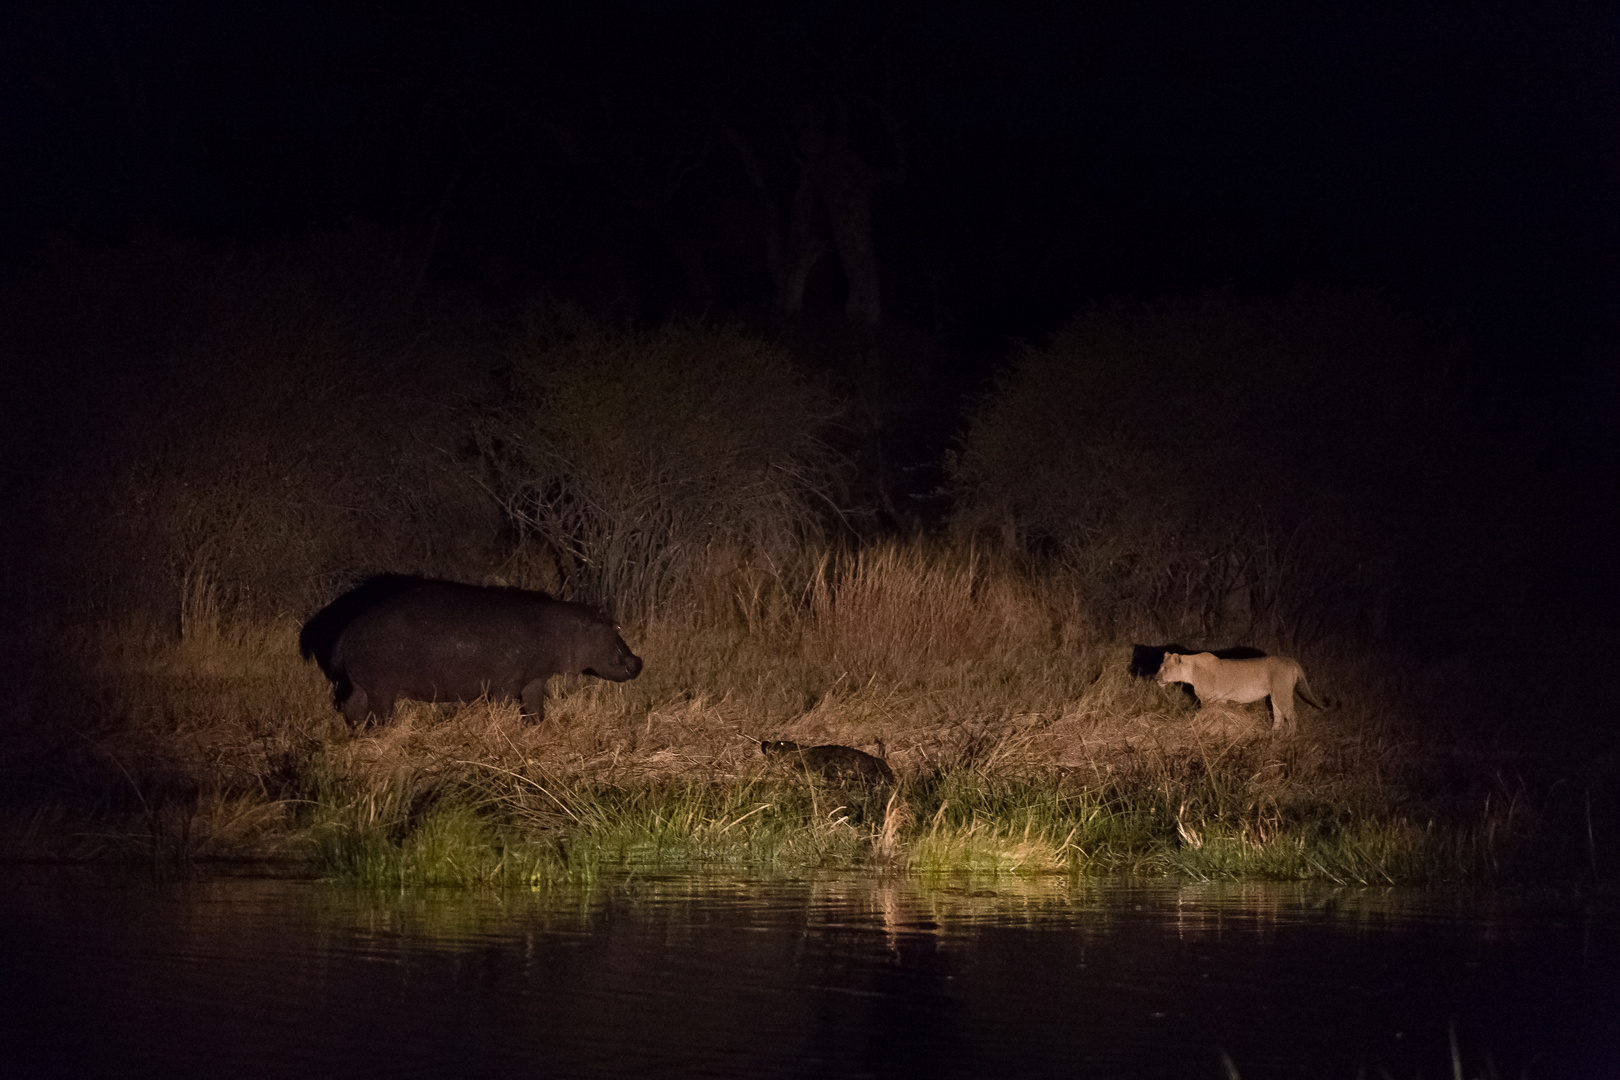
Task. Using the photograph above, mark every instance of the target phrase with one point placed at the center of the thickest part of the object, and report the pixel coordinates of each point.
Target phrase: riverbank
(1021, 745)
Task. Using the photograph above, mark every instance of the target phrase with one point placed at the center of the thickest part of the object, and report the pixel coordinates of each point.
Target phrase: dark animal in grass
(831, 761)
(1147, 659)
(407, 637)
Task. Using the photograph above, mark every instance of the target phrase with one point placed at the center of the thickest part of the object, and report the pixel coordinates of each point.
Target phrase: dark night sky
(1461, 160)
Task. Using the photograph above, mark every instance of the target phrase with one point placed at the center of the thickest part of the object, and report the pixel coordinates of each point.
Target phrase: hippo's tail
(316, 645)
(320, 634)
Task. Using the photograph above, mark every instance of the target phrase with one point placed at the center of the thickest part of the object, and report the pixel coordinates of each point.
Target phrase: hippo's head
(607, 656)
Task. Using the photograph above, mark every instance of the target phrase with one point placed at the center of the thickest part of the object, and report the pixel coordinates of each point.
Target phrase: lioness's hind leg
(1282, 712)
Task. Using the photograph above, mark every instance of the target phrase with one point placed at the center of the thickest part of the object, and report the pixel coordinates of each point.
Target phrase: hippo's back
(461, 635)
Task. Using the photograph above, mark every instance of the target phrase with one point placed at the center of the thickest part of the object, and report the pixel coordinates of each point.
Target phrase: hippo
(1147, 659)
(407, 637)
(832, 761)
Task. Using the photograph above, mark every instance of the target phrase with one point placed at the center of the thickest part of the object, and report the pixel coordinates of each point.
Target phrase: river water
(832, 975)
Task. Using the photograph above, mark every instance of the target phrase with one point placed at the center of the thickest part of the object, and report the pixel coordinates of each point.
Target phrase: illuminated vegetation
(1021, 746)
(293, 440)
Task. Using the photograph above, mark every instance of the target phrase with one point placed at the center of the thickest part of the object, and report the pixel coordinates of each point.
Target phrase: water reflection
(833, 975)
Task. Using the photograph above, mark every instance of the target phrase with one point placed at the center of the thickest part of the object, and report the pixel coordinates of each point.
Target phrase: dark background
(1020, 161)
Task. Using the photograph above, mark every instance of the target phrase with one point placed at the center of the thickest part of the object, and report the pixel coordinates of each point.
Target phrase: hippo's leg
(361, 708)
(534, 701)
(355, 707)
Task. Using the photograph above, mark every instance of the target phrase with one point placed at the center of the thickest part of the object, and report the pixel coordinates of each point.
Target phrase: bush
(1210, 469)
(641, 462)
(253, 431)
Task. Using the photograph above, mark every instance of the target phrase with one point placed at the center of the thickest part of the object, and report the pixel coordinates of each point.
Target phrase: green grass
(499, 826)
(523, 827)
(510, 828)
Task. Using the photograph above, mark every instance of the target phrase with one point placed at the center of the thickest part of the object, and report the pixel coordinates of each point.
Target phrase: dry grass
(1021, 743)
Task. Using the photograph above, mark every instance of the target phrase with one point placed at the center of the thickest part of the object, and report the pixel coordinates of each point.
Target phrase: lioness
(1241, 681)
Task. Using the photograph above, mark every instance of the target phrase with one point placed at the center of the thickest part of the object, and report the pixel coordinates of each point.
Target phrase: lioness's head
(1172, 669)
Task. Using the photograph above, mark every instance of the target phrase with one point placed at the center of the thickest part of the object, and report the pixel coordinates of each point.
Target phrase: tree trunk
(794, 260)
(792, 249)
(845, 188)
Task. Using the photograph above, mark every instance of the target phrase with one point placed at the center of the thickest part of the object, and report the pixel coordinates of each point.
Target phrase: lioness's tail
(1303, 689)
